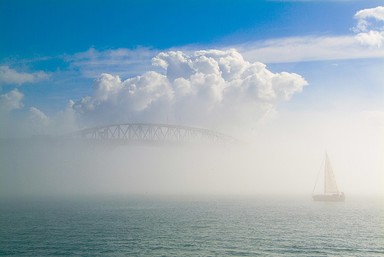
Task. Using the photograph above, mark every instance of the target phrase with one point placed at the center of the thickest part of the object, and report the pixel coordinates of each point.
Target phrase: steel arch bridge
(152, 134)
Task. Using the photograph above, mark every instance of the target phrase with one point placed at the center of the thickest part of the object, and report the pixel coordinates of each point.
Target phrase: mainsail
(330, 186)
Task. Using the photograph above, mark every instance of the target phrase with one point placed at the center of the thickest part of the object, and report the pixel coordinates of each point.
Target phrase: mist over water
(60, 168)
(270, 165)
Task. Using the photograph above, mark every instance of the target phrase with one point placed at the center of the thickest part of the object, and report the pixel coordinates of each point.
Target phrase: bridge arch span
(149, 133)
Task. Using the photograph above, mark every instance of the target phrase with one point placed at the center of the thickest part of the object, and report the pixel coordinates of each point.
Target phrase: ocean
(190, 226)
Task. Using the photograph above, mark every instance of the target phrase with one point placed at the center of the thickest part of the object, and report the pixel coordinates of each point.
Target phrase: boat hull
(329, 198)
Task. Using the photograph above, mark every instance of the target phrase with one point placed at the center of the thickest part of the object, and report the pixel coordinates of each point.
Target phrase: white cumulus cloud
(370, 26)
(202, 88)
(12, 76)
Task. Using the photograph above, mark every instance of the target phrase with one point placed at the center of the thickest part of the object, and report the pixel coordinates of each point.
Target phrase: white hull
(329, 198)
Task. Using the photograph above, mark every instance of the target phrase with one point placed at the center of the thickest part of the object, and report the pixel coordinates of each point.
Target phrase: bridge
(152, 134)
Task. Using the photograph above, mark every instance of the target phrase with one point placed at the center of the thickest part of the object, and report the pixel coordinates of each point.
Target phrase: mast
(325, 172)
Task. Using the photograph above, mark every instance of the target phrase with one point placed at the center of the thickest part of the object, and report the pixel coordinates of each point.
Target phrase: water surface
(191, 226)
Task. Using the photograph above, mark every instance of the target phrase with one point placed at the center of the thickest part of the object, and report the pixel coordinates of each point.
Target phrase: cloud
(11, 101)
(369, 31)
(370, 26)
(37, 121)
(204, 88)
(11, 76)
(114, 61)
(309, 48)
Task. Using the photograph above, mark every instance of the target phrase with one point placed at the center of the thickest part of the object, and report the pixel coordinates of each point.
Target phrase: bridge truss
(146, 133)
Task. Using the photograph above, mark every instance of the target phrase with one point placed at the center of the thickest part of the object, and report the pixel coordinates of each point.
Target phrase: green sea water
(190, 226)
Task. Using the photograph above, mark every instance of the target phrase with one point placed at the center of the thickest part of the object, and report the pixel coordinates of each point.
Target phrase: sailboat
(331, 191)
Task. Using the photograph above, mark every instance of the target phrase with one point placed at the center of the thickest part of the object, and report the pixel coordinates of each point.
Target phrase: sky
(293, 79)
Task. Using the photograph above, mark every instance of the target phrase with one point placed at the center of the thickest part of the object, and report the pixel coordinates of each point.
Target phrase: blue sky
(42, 27)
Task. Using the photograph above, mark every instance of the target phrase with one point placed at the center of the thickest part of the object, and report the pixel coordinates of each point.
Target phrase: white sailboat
(331, 191)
